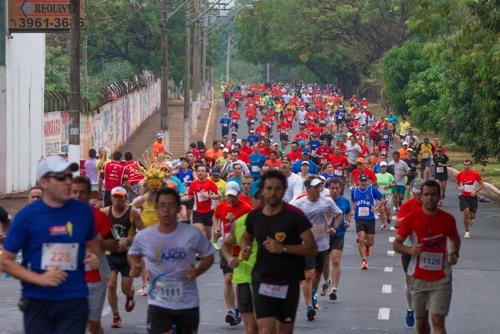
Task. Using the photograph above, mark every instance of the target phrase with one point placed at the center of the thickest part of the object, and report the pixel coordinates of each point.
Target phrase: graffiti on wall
(56, 132)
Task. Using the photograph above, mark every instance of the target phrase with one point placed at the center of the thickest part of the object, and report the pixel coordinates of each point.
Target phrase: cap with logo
(54, 164)
(232, 188)
(363, 177)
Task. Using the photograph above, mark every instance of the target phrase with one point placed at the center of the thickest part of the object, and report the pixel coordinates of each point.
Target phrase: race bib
(439, 169)
(203, 196)
(386, 136)
(62, 256)
(169, 292)
(337, 172)
(255, 169)
(224, 125)
(431, 261)
(274, 291)
(426, 155)
(469, 188)
(363, 212)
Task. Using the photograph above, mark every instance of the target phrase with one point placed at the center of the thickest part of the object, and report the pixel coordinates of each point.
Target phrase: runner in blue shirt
(363, 198)
(225, 122)
(257, 160)
(57, 237)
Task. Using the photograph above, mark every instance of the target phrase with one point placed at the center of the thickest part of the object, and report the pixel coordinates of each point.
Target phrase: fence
(108, 126)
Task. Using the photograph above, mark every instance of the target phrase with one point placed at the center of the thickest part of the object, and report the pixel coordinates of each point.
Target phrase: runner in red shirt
(204, 192)
(340, 163)
(113, 176)
(431, 281)
(295, 152)
(262, 131)
(324, 151)
(466, 186)
(132, 175)
(362, 169)
(283, 131)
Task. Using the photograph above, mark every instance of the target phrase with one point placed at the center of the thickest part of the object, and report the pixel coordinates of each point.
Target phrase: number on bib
(363, 211)
(274, 291)
(439, 170)
(62, 256)
(167, 291)
(431, 261)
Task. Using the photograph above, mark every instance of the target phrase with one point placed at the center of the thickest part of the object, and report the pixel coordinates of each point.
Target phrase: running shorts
(336, 243)
(203, 218)
(162, 320)
(468, 202)
(244, 297)
(367, 226)
(224, 266)
(430, 296)
(270, 307)
(283, 137)
(96, 298)
(119, 263)
(316, 261)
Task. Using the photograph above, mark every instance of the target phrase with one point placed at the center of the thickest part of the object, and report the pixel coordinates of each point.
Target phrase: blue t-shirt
(376, 168)
(364, 201)
(181, 189)
(185, 177)
(253, 139)
(313, 169)
(37, 225)
(340, 113)
(314, 144)
(225, 122)
(344, 205)
(256, 160)
(327, 177)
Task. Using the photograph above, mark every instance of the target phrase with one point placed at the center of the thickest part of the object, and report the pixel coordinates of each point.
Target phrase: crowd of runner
(275, 201)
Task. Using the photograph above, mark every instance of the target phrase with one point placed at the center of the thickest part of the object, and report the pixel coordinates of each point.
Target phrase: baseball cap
(383, 163)
(286, 159)
(222, 146)
(276, 144)
(305, 162)
(159, 135)
(216, 170)
(234, 133)
(225, 149)
(305, 151)
(363, 177)
(232, 188)
(118, 191)
(313, 183)
(405, 143)
(4, 215)
(254, 189)
(360, 160)
(55, 164)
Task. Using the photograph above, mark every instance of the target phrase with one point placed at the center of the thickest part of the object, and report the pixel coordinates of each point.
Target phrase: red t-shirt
(102, 225)
(282, 127)
(246, 149)
(339, 161)
(224, 208)
(407, 207)
(293, 156)
(113, 175)
(467, 180)
(132, 172)
(371, 175)
(432, 233)
(201, 190)
(246, 199)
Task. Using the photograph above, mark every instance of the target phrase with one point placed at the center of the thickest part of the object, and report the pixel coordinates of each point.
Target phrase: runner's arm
(228, 245)
(135, 265)
(306, 248)
(205, 263)
(246, 244)
(137, 220)
(402, 249)
(9, 265)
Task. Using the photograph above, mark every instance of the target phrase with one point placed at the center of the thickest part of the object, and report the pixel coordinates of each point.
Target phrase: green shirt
(384, 181)
(242, 273)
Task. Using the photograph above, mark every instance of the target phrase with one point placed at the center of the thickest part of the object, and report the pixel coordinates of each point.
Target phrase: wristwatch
(285, 249)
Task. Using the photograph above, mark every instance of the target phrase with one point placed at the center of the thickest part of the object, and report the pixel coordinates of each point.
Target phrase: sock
(408, 299)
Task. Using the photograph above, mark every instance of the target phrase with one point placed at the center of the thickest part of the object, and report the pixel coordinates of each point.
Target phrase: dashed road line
(384, 313)
(391, 239)
(388, 269)
(390, 253)
(386, 288)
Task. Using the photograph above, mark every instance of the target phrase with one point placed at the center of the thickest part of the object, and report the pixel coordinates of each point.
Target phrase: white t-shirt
(353, 151)
(320, 214)
(400, 167)
(294, 187)
(168, 256)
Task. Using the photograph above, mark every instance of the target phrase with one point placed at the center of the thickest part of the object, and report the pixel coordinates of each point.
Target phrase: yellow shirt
(149, 215)
(221, 184)
(404, 126)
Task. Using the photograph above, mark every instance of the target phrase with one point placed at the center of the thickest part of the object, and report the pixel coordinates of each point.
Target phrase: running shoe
(129, 301)
(467, 235)
(364, 264)
(410, 318)
(324, 288)
(383, 227)
(117, 322)
(333, 294)
(310, 313)
(143, 291)
(315, 300)
(368, 251)
(232, 318)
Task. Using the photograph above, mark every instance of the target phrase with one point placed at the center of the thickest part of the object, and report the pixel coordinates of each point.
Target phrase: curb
(210, 122)
(489, 190)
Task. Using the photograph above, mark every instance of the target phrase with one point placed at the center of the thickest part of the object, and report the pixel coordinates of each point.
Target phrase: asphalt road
(371, 301)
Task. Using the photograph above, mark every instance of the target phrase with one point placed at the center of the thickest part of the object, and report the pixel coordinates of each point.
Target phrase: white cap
(405, 143)
(383, 163)
(232, 188)
(55, 164)
(225, 149)
(118, 191)
(159, 135)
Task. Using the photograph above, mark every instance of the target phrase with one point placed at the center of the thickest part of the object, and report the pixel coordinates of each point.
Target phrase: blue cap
(305, 151)
(254, 188)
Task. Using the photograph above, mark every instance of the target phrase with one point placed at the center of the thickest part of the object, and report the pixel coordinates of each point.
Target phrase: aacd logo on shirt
(62, 229)
(280, 236)
(173, 254)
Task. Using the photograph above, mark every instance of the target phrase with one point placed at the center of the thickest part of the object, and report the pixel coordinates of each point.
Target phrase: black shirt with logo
(285, 227)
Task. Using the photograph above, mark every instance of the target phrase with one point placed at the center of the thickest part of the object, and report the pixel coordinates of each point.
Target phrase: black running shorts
(282, 309)
(161, 320)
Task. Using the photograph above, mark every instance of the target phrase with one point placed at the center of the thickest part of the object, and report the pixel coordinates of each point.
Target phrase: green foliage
(56, 65)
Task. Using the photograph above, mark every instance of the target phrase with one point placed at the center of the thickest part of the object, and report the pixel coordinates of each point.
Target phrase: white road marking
(390, 253)
(106, 310)
(388, 269)
(386, 288)
(391, 239)
(384, 313)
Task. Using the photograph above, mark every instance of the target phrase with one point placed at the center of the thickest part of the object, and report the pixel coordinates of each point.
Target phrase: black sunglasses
(60, 176)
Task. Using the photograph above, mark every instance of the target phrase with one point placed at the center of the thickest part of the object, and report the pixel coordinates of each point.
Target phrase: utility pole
(204, 59)
(187, 74)
(74, 83)
(228, 57)
(164, 72)
(267, 72)
(197, 52)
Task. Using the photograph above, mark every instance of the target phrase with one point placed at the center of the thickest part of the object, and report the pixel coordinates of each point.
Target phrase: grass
(490, 172)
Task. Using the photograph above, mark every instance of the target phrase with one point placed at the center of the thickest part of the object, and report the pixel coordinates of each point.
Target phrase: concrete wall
(21, 111)
(109, 126)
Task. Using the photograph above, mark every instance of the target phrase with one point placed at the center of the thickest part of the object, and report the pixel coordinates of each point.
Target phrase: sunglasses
(60, 176)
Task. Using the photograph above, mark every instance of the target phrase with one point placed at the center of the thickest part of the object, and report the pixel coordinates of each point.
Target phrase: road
(371, 301)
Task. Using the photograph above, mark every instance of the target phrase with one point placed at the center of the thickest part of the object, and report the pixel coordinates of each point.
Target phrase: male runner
(430, 265)
(466, 186)
(284, 237)
(112, 176)
(226, 212)
(441, 164)
(385, 182)
(125, 220)
(34, 194)
(363, 198)
(57, 237)
(401, 170)
(320, 211)
(169, 250)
